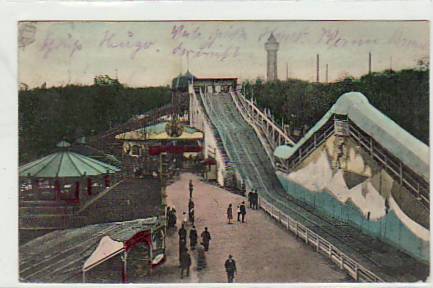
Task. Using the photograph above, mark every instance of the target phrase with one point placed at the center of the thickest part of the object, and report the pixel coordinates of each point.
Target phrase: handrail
(268, 120)
(396, 168)
(321, 245)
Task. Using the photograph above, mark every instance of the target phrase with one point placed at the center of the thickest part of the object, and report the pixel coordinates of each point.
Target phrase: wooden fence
(320, 245)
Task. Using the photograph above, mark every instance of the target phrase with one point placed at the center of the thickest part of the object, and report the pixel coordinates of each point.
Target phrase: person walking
(184, 219)
(230, 213)
(191, 211)
(185, 263)
(243, 210)
(205, 238)
(251, 198)
(230, 266)
(191, 188)
(238, 210)
(192, 238)
(255, 200)
(182, 233)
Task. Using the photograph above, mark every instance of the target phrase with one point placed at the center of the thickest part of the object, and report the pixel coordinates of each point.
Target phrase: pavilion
(61, 176)
(182, 142)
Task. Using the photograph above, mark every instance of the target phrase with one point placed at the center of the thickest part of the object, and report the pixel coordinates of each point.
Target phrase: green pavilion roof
(65, 164)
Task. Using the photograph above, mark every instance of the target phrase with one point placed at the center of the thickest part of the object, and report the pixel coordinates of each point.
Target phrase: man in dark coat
(230, 266)
(251, 198)
(230, 213)
(205, 238)
(185, 263)
(191, 188)
(191, 211)
(255, 200)
(243, 210)
(193, 237)
(182, 233)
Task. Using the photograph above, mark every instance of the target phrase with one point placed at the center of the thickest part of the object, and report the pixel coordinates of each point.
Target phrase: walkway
(264, 251)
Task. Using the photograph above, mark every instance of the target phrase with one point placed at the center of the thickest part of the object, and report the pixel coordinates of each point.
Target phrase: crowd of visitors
(205, 236)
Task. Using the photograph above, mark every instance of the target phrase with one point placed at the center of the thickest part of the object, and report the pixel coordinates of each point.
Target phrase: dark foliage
(403, 96)
(47, 116)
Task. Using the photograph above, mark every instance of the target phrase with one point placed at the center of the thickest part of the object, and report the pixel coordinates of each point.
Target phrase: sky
(143, 54)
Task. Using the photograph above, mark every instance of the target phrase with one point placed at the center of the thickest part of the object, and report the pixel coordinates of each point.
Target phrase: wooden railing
(418, 187)
(274, 133)
(320, 245)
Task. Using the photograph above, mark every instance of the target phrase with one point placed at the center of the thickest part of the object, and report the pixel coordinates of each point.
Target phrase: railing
(418, 187)
(322, 246)
(274, 134)
(305, 150)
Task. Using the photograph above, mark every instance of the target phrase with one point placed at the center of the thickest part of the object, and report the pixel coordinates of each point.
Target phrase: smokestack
(317, 68)
(369, 62)
(326, 73)
(287, 70)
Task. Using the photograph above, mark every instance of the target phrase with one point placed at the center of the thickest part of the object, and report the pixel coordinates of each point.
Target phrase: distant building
(271, 47)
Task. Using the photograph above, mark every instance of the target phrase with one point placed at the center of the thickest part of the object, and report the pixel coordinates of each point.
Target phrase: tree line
(48, 115)
(401, 95)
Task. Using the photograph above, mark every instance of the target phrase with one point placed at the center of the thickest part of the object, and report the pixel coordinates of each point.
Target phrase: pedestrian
(250, 198)
(193, 237)
(182, 233)
(201, 257)
(256, 200)
(243, 210)
(191, 211)
(205, 237)
(185, 264)
(230, 213)
(230, 266)
(238, 210)
(191, 188)
(184, 219)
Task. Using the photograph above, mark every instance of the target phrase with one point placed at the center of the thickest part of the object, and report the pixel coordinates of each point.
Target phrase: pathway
(264, 252)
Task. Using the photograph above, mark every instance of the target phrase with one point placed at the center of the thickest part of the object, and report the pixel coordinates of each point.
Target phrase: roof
(65, 164)
(411, 151)
(272, 39)
(59, 256)
(158, 132)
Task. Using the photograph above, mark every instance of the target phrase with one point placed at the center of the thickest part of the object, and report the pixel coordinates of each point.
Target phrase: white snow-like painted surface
(414, 227)
(368, 199)
(357, 163)
(338, 187)
(315, 176)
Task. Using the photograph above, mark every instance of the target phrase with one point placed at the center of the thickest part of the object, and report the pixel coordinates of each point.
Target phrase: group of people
(241, 211)
(184, 256)
(253, 199)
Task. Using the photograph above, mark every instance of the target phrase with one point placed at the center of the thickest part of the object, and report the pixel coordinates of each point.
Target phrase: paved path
(264, 252)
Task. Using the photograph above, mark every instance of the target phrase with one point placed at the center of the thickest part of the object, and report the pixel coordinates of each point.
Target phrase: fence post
(296, 227)
(317, 243)
(341, 262)
(306, 235)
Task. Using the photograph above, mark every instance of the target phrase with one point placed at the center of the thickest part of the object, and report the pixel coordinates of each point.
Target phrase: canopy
(411, 151)
(106, 249)
(65, 164)
(158, 132)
